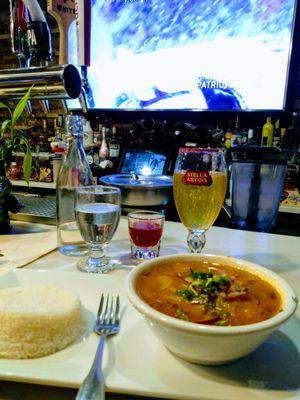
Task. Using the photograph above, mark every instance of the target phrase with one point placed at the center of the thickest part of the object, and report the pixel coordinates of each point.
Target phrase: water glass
(145, 230)
(98, 210)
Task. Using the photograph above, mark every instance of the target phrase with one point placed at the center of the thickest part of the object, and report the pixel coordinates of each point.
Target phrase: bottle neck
(74, 140)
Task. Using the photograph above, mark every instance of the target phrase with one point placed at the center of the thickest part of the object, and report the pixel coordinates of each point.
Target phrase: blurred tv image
(189, 54)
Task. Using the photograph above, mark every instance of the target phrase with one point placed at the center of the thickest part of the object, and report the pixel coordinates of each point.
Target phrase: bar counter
(271, 372)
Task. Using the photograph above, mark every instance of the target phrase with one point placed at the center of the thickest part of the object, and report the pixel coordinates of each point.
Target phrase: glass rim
(145, 215)
(91, 188)
(202, 149)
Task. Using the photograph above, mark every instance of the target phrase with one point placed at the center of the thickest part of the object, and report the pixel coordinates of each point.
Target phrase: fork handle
(93, 386)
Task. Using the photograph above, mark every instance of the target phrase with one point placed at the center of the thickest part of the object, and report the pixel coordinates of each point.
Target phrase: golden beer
(198, 205)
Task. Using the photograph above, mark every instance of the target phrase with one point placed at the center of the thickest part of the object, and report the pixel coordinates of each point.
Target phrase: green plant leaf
(20, 108)
(2, 105)
(20, 141)
(27, 162)
(4, 125)
(7, 154)
(20, 136)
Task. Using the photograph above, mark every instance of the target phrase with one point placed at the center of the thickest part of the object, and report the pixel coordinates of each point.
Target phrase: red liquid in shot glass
(145, 233)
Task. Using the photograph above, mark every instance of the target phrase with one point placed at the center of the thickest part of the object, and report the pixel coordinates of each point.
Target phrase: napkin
(20, 249)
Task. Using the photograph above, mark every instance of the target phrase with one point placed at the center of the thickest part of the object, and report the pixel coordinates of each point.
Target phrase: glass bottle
(235, 137)
(74, 172)
(43, 141)
(267, 133)
(276, 137)
(104, 150)
(228, 135)
(114, 146)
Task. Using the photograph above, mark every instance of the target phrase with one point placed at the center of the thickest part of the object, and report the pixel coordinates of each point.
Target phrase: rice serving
(38, 320)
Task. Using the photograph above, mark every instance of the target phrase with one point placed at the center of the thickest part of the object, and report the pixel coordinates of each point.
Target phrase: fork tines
(109, 310)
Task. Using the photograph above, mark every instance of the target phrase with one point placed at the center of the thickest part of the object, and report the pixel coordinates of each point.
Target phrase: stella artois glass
(200, 183)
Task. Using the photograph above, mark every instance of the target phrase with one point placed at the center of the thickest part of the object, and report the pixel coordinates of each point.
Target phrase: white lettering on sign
(66, 10)
(31, 38)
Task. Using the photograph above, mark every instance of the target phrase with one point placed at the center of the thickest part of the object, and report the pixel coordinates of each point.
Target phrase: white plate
(136, 363)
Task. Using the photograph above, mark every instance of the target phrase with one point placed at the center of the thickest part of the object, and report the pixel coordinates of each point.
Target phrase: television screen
(143, 162)
(189, 54)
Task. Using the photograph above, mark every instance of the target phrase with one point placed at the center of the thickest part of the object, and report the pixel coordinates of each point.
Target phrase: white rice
(38, 320)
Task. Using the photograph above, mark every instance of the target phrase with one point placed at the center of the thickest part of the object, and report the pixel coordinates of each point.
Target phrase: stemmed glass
(97, 210)
(200, 183)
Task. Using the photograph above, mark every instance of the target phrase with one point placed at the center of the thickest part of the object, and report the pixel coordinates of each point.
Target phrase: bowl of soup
(209, 309)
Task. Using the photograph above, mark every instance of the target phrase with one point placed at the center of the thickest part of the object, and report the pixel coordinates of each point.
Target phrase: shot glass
(145, 230)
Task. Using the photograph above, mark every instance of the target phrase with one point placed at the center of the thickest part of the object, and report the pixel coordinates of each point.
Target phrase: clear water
(69, 239)
(98, 221)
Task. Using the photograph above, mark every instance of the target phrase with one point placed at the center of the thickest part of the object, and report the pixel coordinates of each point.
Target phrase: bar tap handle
(64, 14)
(83, 10)
(39, 39)
(18, 32)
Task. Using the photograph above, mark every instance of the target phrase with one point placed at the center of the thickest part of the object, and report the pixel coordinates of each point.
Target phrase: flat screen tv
(189, 54)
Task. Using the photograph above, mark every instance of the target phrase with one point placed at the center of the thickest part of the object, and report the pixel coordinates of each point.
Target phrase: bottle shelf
(33, 184)
(43, 155)
(289, 209)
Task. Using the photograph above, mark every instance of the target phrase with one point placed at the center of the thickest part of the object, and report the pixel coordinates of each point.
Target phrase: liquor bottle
(276, 137)
(57, 144)
(243, 136)
(108, 131)
(88, 135)
(58, 127)
(75, 171)
(114, 146)
(104, 161)
(90, 157)
(282, 141)
(257, 136)
(267, 133)
(228, 136)
(43, 144)
(97, 134)
(250, 136)
(235, 137)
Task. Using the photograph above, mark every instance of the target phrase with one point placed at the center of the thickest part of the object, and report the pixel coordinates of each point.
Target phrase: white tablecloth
(279, 253)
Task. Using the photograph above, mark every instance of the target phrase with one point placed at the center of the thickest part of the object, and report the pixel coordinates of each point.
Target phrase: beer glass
(200, 183)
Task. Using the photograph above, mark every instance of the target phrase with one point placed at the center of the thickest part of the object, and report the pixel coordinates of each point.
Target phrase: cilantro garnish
(181, 314)
(204, 288)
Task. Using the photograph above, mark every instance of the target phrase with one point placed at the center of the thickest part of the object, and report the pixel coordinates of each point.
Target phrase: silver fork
(107, 323)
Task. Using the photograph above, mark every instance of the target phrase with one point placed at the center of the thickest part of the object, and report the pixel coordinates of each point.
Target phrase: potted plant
(12, 139)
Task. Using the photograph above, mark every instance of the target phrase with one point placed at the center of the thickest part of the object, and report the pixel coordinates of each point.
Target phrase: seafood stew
(208, 293)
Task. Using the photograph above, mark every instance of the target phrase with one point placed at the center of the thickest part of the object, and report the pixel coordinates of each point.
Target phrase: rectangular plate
(136, 362)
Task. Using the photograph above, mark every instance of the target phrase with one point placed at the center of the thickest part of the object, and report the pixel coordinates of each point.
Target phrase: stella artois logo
(199, 178)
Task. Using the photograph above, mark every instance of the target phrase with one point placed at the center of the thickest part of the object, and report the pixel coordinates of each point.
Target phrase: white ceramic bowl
(207, 344)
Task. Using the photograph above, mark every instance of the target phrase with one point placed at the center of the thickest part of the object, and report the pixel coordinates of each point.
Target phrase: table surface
(277, 252)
